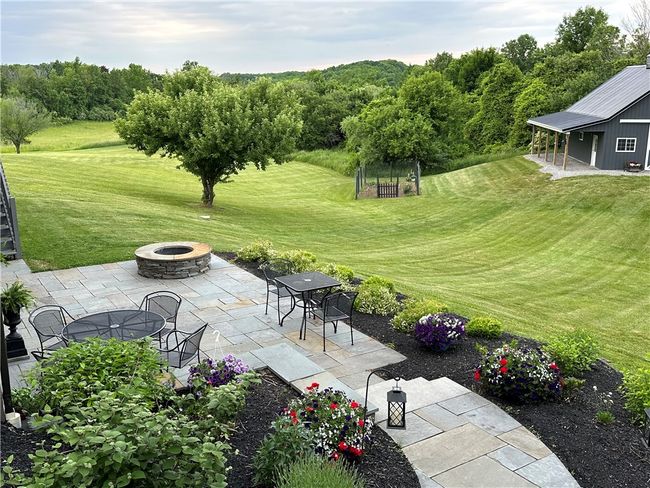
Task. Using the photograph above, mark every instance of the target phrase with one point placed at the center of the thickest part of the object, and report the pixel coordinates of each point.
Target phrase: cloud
(257, 36)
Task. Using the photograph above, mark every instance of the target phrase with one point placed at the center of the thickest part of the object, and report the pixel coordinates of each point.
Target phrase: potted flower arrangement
(336, 422)
(440, 331)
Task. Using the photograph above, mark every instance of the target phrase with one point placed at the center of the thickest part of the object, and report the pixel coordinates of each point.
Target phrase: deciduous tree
(20, 119)
(215, 130)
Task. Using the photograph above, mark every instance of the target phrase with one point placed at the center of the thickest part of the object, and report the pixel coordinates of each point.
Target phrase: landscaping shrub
(520, 374)
(636, 387)
(574, 352)
(487, 327)
(286, 445)
(301, 260)
(440, 331)
(339, 272)
(378, 281)
(314, 472)
(377, 295)
(73, 374)
(259, 250)
(117, 440)
(216, 373)
(413, 311)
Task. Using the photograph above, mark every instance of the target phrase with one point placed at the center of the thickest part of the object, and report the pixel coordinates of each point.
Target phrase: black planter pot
(15, 344)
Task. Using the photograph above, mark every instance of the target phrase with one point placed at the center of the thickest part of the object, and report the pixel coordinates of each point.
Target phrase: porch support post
(539, 143)
(546, 150)
(532, 142)
(555, 149)
(567, 136)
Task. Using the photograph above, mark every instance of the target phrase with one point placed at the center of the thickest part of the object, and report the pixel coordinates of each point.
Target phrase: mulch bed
(383, 466)
(598, 456)
(20, 443)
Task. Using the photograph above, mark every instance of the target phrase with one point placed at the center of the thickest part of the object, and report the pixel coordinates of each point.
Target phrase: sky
(266, 36)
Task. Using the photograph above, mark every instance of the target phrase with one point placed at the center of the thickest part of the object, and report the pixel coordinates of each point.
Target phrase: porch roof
(565, 121)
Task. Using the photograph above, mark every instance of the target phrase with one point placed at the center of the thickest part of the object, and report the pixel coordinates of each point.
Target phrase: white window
(581, 136)
(625, 144)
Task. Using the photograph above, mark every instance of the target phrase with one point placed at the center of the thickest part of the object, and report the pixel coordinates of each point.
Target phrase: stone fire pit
(173, 260)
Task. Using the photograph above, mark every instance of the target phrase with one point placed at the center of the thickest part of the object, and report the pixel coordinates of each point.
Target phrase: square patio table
(304, 284)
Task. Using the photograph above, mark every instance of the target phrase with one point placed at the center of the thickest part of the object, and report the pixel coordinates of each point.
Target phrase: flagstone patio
(454, 437)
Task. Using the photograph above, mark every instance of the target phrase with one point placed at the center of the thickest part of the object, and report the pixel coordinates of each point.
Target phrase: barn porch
(575, 168)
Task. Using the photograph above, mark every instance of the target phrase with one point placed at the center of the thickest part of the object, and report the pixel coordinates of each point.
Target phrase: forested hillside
(386, 112)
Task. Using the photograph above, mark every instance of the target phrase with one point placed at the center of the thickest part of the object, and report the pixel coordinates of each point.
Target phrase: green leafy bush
(315, 472)
(73, 374)
(339, 272)
(520, 374)
(413, 311)
(379, 281)
(118, 440)
(574, 352)
(284, 446)
(377, 300)
(487, 327)
(259, 250)
(300, 260)
(636, 387)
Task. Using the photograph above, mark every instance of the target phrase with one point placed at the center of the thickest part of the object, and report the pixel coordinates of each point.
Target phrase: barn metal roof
(610, 98)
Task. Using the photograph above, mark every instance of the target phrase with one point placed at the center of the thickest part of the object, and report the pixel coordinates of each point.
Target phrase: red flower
(294, 420)
(477, 375)
(310, 409)
(334, 406)
(553, 366)
(503, 369)
(293, 414)
(343, 446)
(335, 456)
(355, 451)
(354, 404)
(503, 361)
(361, 423)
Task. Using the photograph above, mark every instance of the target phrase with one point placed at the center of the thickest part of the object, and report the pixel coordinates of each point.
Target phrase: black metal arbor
(380, 181)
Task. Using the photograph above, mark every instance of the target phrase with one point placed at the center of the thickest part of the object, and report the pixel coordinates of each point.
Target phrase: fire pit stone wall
(173, 260)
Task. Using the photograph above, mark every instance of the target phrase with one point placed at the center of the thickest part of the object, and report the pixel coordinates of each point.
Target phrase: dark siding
(580, 150)
(607, 157)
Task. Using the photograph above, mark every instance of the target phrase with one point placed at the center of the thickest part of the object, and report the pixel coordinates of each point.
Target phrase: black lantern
(646, 430)
(396, 407)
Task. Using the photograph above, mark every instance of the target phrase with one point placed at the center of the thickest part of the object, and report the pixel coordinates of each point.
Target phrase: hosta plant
(335, 421)
(519, 374)
(440, 331)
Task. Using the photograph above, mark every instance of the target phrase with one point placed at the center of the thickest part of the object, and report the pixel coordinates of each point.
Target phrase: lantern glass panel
(396, 409)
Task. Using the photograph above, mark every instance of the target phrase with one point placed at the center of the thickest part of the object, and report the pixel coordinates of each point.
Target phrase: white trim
(647, 151)
(594, 150)
(549, 127)
(635, 121)
(626, 139)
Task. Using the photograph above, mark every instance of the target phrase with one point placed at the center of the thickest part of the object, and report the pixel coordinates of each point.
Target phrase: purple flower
(440, 331)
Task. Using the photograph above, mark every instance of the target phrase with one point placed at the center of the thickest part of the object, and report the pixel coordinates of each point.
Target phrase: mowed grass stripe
(498, 238)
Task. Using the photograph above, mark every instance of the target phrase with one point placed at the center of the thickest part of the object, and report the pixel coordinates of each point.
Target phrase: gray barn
(610, 126)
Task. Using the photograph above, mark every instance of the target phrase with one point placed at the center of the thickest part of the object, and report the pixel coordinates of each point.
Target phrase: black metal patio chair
(165, 303)
(334, 307)
(272, 269)
(48, 322)
(183, 347)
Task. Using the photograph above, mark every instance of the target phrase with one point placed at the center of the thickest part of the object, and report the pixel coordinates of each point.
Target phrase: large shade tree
(215, 130)
(20, 119)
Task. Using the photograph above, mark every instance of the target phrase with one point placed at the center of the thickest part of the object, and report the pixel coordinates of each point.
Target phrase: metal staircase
(9, 236)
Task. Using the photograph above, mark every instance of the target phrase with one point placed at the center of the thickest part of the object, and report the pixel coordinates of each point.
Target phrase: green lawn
(78, 135)
(498, 238)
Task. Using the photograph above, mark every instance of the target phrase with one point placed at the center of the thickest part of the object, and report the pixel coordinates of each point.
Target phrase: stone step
(286, 362)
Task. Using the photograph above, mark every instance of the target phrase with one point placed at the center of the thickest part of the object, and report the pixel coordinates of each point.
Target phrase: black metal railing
(9, 234)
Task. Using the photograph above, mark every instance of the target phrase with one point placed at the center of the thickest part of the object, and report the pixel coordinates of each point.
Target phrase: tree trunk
(17, 144)
(208, 191)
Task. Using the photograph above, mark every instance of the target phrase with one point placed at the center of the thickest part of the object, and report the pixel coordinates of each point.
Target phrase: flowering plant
(518, 373)
(439, 331)
(216, 373)
(335, 421)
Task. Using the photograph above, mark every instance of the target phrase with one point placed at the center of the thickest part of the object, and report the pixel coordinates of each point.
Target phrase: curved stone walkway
(454, 437)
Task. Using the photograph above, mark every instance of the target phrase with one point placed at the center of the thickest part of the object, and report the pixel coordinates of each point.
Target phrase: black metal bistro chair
(334, 307)
(48, 322)
(165, 303)
(272, 269)
(181, 347)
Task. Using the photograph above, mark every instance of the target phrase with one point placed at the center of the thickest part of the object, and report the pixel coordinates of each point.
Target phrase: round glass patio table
(125, 325)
